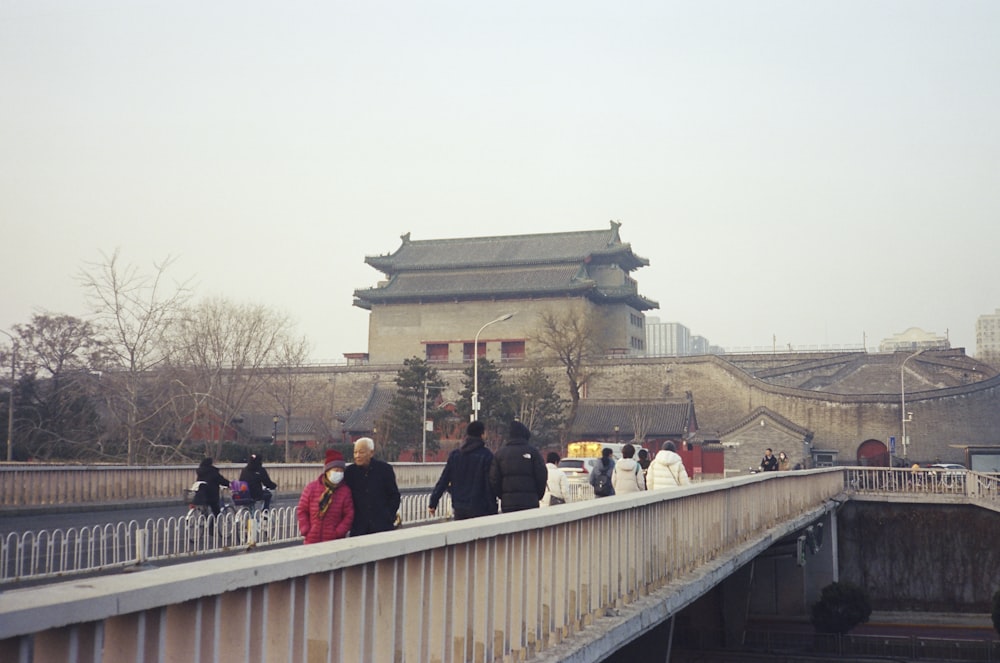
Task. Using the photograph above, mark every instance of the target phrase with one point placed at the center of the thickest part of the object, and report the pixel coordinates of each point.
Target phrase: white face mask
(335, 476)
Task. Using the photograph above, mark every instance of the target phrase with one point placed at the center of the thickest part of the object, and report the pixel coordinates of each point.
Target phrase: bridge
(567, 583)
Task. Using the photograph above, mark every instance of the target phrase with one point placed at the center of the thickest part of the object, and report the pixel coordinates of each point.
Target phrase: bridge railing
(41, 485)
(42, 554)
(907, 483)
(504, 587)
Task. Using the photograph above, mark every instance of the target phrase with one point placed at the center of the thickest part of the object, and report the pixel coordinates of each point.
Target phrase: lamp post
(903, 416)
(274, 431)
(475, 364)
(10, 402)
(424, 422)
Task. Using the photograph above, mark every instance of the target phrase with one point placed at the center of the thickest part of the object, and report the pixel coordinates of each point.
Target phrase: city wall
(943, 419)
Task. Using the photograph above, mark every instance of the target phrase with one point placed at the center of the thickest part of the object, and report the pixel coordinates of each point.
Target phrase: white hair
(366, 442)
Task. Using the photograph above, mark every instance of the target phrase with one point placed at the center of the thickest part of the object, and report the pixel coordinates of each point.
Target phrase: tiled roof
(513, 280)
(763, 411)
(363, 419)
(498, 283)
(260, 426)
(598, 418)
(479, 252)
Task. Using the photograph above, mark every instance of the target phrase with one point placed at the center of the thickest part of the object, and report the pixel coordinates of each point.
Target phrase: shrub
(841, 607)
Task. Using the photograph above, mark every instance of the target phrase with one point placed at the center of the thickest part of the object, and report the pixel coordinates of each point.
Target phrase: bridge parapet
(25, 485)
(506, 587)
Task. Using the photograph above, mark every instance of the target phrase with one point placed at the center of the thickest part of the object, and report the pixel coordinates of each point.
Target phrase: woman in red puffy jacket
(326, 509)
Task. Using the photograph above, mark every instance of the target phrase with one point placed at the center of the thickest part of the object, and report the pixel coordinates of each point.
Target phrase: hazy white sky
(805, 171)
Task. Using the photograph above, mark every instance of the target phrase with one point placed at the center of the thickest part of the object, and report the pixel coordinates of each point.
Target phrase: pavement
(951, 625)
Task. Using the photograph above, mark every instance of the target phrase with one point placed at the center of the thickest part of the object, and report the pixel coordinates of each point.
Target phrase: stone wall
(724, 395)
(925, 557)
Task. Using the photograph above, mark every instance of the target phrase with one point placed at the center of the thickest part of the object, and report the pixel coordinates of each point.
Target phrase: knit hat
(519, 430)
(334, 459)
(475, 429)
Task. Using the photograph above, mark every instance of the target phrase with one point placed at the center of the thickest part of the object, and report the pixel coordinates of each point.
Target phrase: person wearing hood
(326, 510)
(257, 480)
(628, 476)
(466, 476)
(517, 473)
(666, 470)
(209, 481)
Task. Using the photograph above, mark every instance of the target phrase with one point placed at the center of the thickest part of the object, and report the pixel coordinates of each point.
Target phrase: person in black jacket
(768, 463)
(208, 492)
(257, 480)
(518, 472)
(374, 490)
(466, 476)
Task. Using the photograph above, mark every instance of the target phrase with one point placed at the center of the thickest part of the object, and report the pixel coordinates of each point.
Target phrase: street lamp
(10, 402)
(475, 364)
(903, 416)
(423, 458)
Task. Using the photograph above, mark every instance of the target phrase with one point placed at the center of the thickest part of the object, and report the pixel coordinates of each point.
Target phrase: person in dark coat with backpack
(210, 479)
(602, 474)
(257, 480)
(466, 476)
(518, 472)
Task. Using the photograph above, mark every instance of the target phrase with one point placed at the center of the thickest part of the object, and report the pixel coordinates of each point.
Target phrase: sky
(796, 173)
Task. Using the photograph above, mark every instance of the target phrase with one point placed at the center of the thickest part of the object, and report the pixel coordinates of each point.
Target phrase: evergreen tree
(404, 418)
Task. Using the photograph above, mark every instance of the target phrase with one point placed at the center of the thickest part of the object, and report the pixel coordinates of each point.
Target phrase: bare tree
(219, 354)
(570, 338)
(641, 409)
(285, 383)
(133, 311)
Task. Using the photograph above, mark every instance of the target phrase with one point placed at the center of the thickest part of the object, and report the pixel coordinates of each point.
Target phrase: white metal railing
(44, 554)
(36, 555)
(962, 484)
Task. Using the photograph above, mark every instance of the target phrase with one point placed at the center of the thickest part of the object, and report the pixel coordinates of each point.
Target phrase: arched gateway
(873, 453)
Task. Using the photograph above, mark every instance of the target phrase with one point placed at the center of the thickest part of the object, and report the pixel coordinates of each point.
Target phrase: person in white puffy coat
(667, 469)
(628, 476)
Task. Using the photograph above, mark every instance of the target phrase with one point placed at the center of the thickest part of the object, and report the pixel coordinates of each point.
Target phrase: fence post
(141, 543)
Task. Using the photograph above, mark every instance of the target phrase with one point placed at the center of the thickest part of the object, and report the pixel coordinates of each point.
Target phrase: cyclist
(209, 480)
(258, 481)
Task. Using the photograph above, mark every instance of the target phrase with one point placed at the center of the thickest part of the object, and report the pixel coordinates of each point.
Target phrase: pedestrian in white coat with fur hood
(667, 469)
(628, 477)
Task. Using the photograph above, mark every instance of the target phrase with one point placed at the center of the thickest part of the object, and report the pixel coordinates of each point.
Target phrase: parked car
(949, 471)
(577, 469)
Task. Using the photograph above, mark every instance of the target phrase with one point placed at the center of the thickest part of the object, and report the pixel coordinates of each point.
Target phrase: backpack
(602, 487)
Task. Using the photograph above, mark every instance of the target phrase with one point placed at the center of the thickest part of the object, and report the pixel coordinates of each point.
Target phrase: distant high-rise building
(914, 338)
(666, 339)
(988, 337)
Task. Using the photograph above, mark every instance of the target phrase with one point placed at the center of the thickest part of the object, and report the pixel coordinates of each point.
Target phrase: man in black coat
(466, 476)
(373, 489)
(518, 472)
